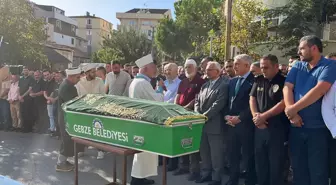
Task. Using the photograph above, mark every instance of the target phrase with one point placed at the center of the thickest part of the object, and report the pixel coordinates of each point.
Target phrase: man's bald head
(171, 71)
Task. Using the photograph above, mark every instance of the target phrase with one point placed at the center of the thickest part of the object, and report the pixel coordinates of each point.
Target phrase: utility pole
(211, 38)
(1, 40)
(228, 8)
(153, 32)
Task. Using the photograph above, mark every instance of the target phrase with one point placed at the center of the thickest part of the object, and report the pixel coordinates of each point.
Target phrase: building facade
(144, 20)
(60, 28)
(94, 30)
(62, 33)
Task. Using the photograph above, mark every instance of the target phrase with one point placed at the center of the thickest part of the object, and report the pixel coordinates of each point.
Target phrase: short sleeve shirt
(189, 89)
(50, 87)
(304, 79)
(38, 86)
(268, 93)
(25, 83)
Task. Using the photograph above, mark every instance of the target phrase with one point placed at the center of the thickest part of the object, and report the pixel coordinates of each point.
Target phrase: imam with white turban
(144, 164)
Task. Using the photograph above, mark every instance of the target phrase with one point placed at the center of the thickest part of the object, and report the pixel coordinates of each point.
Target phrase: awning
(55, 57)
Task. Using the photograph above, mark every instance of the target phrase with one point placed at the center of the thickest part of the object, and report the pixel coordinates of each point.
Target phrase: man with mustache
(306, 84)
(186, 93)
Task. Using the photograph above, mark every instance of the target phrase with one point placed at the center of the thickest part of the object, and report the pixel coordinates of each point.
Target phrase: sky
(105, 9)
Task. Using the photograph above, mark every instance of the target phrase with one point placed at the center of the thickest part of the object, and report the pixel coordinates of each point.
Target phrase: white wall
(65, 19)
(64, 39)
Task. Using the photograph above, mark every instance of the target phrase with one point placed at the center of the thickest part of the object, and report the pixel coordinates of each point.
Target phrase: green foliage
(188, 35)
(24, 33)
(302, 17)
(125, 45)
(171, 39)
(246, 30)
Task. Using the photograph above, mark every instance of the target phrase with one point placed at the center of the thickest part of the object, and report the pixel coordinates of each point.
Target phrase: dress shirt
(212, 82)
(329, 110)
(172, 87)
(13, 93)
(244, 77)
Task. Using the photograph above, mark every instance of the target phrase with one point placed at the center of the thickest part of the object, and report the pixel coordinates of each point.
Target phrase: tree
(248, 24)
(105, 55)
(125, 45)
(172, 40)
(23, 34)
(198, 17)
(302, 17)
(188, 35)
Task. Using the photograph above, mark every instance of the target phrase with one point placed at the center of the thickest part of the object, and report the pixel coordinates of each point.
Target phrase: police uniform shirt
(268, 93)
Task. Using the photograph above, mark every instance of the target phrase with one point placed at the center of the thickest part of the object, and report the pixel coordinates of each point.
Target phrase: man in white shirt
(172, 83)
(117, 82)
(329, 117)
(90, 84)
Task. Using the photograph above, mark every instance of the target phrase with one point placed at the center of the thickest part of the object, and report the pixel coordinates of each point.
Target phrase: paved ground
(31, 159)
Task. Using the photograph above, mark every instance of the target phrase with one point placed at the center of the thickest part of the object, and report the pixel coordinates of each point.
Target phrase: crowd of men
(262, 116)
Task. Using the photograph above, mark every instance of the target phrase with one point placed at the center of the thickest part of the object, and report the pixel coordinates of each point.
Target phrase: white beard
(190, 75)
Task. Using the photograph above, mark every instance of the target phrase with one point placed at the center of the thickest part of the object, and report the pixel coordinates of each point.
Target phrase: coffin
(156, 127)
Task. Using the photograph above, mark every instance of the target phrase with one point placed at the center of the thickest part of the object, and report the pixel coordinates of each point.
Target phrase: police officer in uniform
(267, 107)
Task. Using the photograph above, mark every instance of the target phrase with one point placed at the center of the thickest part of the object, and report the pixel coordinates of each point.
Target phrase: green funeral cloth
(135, 109)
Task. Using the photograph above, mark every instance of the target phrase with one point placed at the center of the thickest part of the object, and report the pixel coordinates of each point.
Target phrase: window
(132, 22)
(146, 23)
(88, 21)
(59, 24)
(72, 41)
(88, 32)
(89, 42)
(73, 28)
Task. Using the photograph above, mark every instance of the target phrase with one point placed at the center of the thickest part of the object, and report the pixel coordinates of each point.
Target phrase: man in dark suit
(211, 101)
(239, 118)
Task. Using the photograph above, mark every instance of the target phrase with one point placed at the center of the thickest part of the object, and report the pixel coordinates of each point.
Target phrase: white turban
(73, 71)
(144, 61)
(190, 62)
(88, 67)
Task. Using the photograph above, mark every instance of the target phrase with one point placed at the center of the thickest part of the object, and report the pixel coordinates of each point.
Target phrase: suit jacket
(239, 104)
(211, 103)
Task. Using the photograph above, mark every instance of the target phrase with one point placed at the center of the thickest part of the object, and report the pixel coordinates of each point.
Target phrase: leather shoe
(215, 183)
(243, 174)
(204, 179)
(193, 176)
(135, 181)
(147, 181)
(180, 172)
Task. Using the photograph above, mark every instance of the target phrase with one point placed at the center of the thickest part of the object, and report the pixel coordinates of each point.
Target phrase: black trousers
(269, 156)
(190, 162)
(241, 140)
(67, 144)
(332, 160)
(27, 114)
(41, 118)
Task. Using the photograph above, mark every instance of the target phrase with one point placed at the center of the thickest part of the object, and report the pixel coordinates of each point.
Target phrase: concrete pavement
(31, 158)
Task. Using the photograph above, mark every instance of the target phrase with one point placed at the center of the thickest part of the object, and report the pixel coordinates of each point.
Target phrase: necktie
(211, 84)
(209, 88)
(238, 84)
